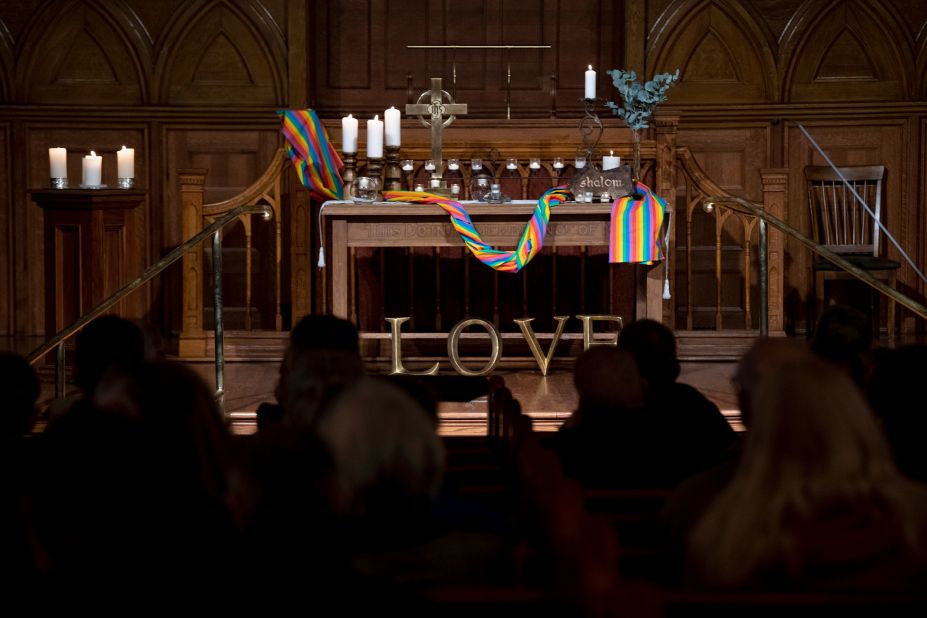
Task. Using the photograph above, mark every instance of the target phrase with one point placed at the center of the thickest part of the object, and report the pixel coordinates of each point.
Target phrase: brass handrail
(213, 229)
(757, 210)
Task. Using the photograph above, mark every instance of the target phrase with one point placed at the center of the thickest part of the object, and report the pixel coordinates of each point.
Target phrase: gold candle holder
(392, 173)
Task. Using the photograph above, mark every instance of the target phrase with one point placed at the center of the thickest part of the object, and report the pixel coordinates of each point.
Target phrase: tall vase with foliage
(638, 103)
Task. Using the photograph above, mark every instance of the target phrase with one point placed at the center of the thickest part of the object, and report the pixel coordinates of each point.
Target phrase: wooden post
(192, 339)
(775, 190)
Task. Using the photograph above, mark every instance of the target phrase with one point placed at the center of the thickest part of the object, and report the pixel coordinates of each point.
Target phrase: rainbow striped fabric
(635, 228)
(317, 163)
(530, 243)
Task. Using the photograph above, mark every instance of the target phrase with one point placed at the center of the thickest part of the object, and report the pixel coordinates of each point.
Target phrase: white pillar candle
(392, 126)
(375, 138)
(92, 170)
(590, 83)
(58, 162)
(125, 163)
(349, 134)
(610, 161)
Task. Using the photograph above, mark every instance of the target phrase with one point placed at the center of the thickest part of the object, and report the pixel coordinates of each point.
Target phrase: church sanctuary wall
(195, 83)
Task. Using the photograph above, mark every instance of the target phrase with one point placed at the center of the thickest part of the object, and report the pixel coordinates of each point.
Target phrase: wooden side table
(87, 250)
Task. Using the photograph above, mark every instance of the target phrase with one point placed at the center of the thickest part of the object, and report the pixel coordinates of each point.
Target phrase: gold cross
(435, 109)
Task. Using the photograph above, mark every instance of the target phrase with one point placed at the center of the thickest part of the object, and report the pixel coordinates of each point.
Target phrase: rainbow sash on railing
(317, 163)
(635, 228)
(530, 243)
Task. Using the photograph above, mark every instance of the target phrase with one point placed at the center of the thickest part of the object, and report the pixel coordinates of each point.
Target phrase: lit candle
(349, 134)
(375, 138)
(407, 165)
(125, 163)
(511, 164)
(392, 126)
(535, 164)
(92, 170)
(580, 163)
(590, 83)
(58, 162)
(453, 164)
(610, 162)
(429, 165)
(476, 164)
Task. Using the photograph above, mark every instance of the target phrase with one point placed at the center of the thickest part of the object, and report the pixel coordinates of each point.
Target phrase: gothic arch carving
(214, 51)
(6, 63)
(846, 50)
(723, 52)
(86, 52)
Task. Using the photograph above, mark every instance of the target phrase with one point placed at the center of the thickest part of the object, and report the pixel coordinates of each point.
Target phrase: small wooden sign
(616, 182)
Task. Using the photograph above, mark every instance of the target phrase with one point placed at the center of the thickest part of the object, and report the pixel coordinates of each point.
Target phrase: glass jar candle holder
(408, 165)
(365, 189)
(453, 164)
(511, 164)
(558, 163)
(534, 164)
(476, 164)
(430, 165)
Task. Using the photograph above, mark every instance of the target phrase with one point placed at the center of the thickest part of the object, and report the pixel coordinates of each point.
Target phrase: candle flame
(590, 67)
(93, 154)
(350, 116)
(611, 153)
(124, 147)
(376, 117)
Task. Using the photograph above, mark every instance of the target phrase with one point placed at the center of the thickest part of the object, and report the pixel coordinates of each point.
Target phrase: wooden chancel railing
(713, 261)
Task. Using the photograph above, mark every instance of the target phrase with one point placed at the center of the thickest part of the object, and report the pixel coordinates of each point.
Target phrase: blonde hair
(814, 446)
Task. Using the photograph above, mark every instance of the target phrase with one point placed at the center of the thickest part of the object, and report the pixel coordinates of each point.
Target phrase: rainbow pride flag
(317, 163)
(635, 228)
(529, 244)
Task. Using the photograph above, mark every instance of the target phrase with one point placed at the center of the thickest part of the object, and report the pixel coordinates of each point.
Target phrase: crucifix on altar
(431, 111)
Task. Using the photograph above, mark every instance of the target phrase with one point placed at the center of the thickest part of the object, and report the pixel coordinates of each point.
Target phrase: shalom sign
(495, 339)
(616, 182)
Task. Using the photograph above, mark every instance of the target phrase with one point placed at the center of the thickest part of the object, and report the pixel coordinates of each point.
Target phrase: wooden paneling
(362, 63)
(7, 244)
(80, 55)
(719, 52)
(849, 53)
(220, 55)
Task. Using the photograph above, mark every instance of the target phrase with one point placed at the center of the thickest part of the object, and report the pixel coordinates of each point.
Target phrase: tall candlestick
(58, 162)
(392, 116)
(610, 161)
(92, 170)
(590, 84)
(392, 173)
(125, 163)
(349, 134)
(375, 138)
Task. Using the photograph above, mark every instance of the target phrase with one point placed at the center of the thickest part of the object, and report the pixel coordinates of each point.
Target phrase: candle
(125, 163)
(58, 162)
(610, 162)
(453, 164)
(407, 165)
(558, 163)
(580, 163)
(429, 165)
(92, 170)
(476, 164)
(349, 134)
(590, 83)
(375, 138)
(392, 126)
(511, 164)
(535, 164)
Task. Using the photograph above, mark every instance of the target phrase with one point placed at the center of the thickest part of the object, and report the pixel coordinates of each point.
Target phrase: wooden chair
(840, 223)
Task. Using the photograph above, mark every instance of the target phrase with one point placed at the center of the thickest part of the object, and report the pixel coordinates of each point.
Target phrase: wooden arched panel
(81, 55)
(215, 54)
(847, 52)
(721, 51)
(6, 63)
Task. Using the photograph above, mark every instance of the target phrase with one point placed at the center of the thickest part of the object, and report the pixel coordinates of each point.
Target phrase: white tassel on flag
(666, 292)
(321, 257)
